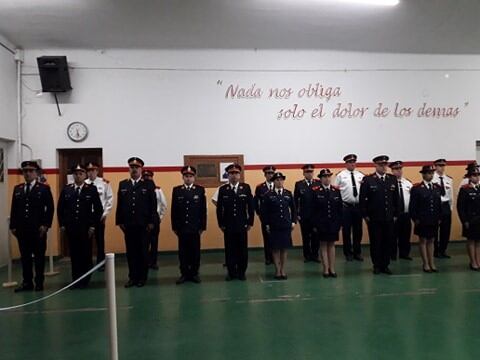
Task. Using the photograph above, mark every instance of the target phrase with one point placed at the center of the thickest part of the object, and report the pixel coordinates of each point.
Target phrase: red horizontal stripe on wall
(117, 169)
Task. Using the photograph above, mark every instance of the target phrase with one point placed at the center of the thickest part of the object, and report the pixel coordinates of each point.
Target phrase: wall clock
(77, 131)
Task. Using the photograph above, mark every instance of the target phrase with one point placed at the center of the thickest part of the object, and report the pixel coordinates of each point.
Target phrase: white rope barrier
(56, 292)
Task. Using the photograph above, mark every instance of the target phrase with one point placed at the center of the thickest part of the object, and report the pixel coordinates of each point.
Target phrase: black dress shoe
(376, 271)
(435, 270)
(326, 275)
(196, 279)
(38, 287)
(24, 287)
(140, 284)
(474, 268)
(349, 257)
(427, 270)
(228, 278)
(284, 277)
(278, 277)
(358, 257)
(129, 284)
(444, 256)
(387, 271)
(242, 277)
(333, 275)
(317, 260)
(406, 258)
(181, 280)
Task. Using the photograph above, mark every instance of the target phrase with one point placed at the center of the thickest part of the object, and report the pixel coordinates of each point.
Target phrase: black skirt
(426, 230)
(472, 233)
(327, 236)
(280, 239)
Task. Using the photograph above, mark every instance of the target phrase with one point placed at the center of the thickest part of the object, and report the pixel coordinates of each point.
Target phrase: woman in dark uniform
(327, 210)
(468, 207)
(426, 210)
(279, 216)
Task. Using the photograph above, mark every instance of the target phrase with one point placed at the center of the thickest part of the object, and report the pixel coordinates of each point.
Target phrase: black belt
(350, 205)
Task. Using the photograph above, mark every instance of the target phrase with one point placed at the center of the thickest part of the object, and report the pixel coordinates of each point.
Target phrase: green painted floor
(410, 315)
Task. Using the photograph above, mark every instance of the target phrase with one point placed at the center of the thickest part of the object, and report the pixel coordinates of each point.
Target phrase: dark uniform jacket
(84, 210)
(235, 210)
(303, 196)
(468, 204)
(34, 210)
(379, 199)
(189, 209)
(425, 204)
(136, 205)
(260, 191)
(279, 211)
(327, 209)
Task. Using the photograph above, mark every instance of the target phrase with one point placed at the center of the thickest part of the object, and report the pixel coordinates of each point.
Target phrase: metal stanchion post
(10, 282)
(112, 305)
(51, 271)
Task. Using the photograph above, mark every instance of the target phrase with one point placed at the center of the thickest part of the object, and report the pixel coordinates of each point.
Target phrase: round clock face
(77, 131)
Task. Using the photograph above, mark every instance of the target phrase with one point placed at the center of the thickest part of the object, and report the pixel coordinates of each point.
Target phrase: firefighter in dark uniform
(468, 207)
(303, 196)
(135, 215)
(328, 212)
(30, 218)
(189, 220)
(426, 212)
(235, 216)
(79, 210)
(280, 217)
(379, 205)
(260, 191)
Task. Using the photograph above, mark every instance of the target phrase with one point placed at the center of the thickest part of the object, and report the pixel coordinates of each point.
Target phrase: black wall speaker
(54, 73)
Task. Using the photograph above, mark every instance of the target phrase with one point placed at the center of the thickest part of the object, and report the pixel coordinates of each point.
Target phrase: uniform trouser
(236, 252)
(352, 231)
(381, 238)
(31, 243)
(266, 244)
(136, 241)
(80, 246)
(153, 244)
(100, 241)
(310, 242)
(401, 240)
(189, 253)
(442, 239)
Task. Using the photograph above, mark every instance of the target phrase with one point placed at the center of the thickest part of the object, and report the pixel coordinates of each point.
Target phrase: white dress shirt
(406, 188)
(344, 181)
(161, 202)
(105, 193)
(448, 183)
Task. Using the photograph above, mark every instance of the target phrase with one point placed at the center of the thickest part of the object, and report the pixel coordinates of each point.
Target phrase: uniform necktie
(402, 198)
(383, 178)
(354, 185)
(279, 191)
(442, 184)
(27, 190)
(430, 186)
(309, 183)
(77, 191)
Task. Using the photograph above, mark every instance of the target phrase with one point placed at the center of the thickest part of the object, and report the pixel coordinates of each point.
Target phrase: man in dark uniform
(235, 216)
(446, 186)
(260, 192)
(30, 218)
(189, 220)
(379, 205)
(136, 214)
(79, 211)
(303, 196)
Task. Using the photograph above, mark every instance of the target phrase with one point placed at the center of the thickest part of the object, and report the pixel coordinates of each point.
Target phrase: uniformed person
(403, 226)
(349, 180)
(379, 206)
(328, 212)
(426, 212)
(79, 211)
(135, 215)
(466, 180)
(303, 196)
(468, 207)
(106, 197)
(260, 191)
(30, 218)
(235, 216)
(189, 220)
(280, 216)
(446, 186)
(161, 210)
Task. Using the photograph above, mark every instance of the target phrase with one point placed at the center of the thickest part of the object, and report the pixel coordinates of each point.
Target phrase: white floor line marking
(65, 311)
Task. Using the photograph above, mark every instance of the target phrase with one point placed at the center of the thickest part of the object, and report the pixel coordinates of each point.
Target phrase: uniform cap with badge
(396, 165)
(278, 175)
(308, 168)
(269, 169)
(427, 169)
(233, 168)
(78, 168)
(350, 158)
(29, 165)
(188, 170)
(324, 173)
(381, 159)
(135, 161)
